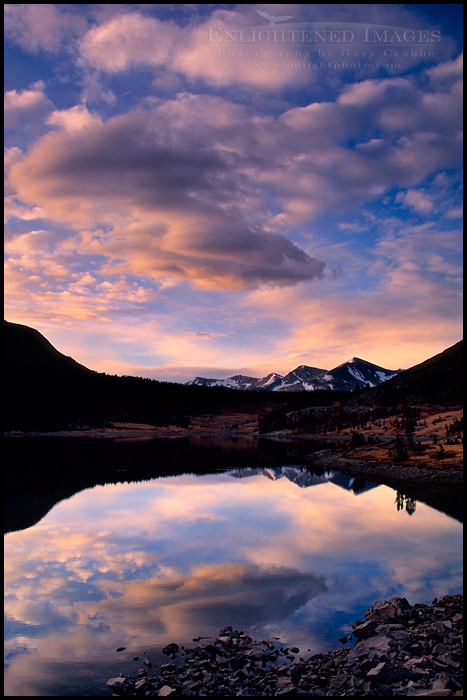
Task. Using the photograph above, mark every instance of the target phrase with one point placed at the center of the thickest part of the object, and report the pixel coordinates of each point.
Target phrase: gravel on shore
(401, 650)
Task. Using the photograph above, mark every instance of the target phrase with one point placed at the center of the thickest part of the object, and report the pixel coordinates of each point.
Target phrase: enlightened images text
(327, 36)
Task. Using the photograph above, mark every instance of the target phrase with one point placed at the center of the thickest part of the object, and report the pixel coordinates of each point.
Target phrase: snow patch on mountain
(355, 373)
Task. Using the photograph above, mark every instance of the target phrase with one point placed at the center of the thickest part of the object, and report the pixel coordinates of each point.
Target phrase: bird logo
(274, 19)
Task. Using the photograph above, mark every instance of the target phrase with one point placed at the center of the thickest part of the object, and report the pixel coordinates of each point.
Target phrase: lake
(138, 543)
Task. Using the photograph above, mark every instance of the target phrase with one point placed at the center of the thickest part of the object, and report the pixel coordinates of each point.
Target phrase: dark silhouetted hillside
(438, 380)
(27, 349)
(45, 390)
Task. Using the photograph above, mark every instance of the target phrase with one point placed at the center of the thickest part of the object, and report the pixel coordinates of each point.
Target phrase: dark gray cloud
(184, 183)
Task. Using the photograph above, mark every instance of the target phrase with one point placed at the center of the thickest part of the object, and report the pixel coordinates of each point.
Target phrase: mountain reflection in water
(278, 551)
(42, 471)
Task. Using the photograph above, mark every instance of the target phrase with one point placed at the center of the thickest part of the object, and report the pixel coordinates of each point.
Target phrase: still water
(274, 549)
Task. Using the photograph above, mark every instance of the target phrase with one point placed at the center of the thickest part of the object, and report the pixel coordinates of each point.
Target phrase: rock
(381, 610)
(449, 661)
(170, 649)
(430, 693)
(440, 649)
(441, 628)
(254, 655)
(337, 684)
(237, 662)
(193, 686)
(377, 671)
(356, 624)
(140, 684)
(117, 683)
(417, 661)
(286, 689)
(166, 668)
(441, 682)
(365, 630)
(372, 646)
(397, 632)
(401, 650)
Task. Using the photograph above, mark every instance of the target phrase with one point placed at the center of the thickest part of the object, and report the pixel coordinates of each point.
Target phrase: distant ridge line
(348, 376)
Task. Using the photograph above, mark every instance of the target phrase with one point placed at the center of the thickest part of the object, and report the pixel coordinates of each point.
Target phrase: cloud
(448, 69)
(73, 119)
(456, 213)
(48, 285)
(127, 40)
(215, 252)
(206, 54)
(14, 210)
(387, 301)
(184, 187)
(213, 49)
(245, 594)
(199, 188)
(134, 39)
(400, 137)
(417, 200)
(37, 27)
(105, 569)
(25, 106)
(10, 157)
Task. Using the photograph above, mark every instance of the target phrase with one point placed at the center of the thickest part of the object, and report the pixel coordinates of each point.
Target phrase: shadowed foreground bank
(400, 650)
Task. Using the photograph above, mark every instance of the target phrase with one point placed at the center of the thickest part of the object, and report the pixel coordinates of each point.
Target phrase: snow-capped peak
(353, 374)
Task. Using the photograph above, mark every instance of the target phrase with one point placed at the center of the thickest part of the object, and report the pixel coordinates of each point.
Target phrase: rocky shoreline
(389, 473)
(401, 650)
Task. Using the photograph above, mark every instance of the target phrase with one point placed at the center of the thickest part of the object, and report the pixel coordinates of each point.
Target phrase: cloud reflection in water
(142, 564)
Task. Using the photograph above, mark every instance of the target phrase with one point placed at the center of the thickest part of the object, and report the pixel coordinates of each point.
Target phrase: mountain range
(304, 478)
(355, 373)
(46, 390)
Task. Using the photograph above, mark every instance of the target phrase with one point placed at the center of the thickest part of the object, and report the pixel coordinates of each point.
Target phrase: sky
(221, 189)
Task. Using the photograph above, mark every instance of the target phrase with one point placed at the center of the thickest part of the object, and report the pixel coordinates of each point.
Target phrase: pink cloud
(128, 40)
(207, 55)
(25, 105)
(73, 119)
(38, 27)
(391, 326)
(211, 50)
